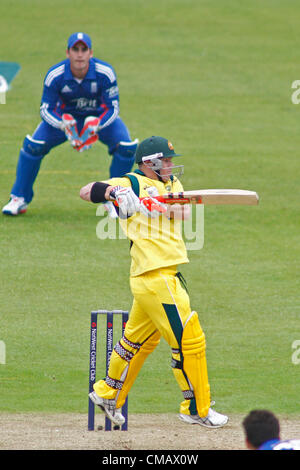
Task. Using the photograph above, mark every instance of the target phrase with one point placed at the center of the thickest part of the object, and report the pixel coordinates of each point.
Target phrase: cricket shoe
(212, 420)
(16, 205)
(109, 408)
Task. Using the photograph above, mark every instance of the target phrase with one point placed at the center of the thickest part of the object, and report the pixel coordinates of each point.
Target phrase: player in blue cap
(80, 103)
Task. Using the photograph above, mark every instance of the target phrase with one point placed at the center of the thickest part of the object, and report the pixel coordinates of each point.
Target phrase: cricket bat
(211, 197)
(203, 196)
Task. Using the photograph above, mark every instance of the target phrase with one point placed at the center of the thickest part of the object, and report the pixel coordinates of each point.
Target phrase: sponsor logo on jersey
(113, 91)
(66, 89)
(84, 103)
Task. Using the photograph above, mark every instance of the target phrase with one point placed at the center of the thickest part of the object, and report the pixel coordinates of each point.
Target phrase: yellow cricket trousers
(161, 307)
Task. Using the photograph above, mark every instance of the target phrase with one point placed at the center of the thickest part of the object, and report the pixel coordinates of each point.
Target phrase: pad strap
(123, 353)
(113, 383)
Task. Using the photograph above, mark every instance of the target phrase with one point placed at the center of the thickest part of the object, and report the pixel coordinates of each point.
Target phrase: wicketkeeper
(80, 103)
(161, 305)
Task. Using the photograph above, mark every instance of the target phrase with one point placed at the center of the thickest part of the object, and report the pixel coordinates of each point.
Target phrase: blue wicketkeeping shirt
(96, 95)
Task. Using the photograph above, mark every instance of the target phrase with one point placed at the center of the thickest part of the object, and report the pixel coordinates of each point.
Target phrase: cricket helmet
(154, 146)
(152, 150)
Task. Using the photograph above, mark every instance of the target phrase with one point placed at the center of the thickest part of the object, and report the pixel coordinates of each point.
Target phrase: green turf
(215, 78)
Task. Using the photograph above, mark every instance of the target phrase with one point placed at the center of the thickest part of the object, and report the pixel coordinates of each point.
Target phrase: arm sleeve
(124, 182)
(50, 99)
(110, 102)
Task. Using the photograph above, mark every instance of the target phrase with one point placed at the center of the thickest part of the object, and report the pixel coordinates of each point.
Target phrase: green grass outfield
(215, 78)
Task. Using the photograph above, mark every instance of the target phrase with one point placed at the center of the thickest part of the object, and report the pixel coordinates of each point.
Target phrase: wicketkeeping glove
(127, 201)
(69, 126)
(88, 134)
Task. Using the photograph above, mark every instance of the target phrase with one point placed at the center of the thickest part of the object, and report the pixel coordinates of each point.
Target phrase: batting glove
(150, 207)
(69, 126)
(127, 201)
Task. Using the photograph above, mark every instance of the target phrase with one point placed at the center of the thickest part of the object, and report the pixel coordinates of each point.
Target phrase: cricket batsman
(80, 103)
(161, 305)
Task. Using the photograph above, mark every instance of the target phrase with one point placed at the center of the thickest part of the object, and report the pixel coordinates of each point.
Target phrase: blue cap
(79, 37)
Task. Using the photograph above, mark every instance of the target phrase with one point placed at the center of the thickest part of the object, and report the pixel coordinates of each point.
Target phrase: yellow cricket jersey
(155, 243)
